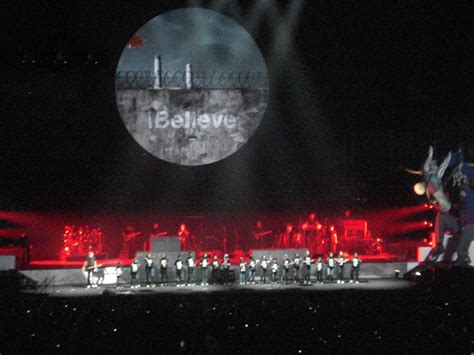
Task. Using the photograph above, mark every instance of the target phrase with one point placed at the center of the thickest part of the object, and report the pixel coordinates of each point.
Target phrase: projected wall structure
(191, 86)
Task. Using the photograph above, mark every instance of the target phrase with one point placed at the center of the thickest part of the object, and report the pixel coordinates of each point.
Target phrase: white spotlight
(420, 188)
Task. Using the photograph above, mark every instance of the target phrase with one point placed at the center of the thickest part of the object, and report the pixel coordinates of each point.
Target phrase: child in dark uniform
(164, 269)
(179, 270)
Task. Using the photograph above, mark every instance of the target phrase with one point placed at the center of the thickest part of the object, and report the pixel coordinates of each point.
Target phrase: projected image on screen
(191, 86)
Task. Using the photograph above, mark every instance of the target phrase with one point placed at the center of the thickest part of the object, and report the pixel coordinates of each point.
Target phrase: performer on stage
(340, 263)
(134, 274)
(274, 270)
(179, 271)
(355, 268)
(242, 271)
(205, 270)
(155, 233)
(215, 270)
(319, 270)
(90, 265)
(164, 270)
(287, 237)
(184, 237)
(331, 262)
(119, 273)
(252, 268)
(260, 234)
(264, 265)
(129, 237)
(286, 269)
(307, 268)
(226, 269)
(191, 263)
(463, 162)
(296, 268)
(150, 270)
(313, 232)
(435, 191)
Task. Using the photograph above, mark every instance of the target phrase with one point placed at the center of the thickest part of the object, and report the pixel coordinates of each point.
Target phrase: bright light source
(419, 188)
(417, 273)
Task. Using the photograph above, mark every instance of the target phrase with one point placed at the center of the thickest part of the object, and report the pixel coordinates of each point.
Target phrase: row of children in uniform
(211, 269)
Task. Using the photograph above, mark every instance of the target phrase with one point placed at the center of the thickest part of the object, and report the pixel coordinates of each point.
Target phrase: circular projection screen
(191, 86)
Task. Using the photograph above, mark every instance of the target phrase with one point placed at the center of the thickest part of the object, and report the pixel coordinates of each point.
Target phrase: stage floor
(61, 264)
(82, 291)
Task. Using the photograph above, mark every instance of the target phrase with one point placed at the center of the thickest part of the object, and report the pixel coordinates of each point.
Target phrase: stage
(125, 290)
(75, 276)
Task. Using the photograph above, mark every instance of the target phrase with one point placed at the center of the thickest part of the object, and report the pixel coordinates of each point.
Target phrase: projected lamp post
(158, 84)
(158, 75)
(189, 76)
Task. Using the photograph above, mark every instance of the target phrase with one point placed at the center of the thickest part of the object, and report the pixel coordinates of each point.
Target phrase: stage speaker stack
(165, 244)
(7, 262)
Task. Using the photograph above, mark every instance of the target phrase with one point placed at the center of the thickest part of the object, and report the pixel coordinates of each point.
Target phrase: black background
(360, 90)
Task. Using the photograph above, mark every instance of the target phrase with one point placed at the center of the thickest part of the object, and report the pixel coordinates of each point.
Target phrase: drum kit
(81, 239)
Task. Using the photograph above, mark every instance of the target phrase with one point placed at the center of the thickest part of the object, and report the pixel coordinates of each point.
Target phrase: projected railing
(208, 80)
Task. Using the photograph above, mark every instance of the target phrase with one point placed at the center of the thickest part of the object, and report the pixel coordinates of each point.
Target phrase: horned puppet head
(432, 175)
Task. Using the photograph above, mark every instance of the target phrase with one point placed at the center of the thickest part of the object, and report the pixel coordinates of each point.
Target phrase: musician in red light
(184, 237)
(259, 234)
(286, 238)
(89, 266)
(155, 233)
(129, 239)
(313, 232)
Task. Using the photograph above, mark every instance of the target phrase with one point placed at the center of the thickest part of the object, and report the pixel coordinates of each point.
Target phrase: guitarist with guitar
(259, 234)
(129, 236)
(155, 233)
(90, 266)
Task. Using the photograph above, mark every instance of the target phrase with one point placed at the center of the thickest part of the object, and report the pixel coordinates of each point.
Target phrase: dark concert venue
(224, 176)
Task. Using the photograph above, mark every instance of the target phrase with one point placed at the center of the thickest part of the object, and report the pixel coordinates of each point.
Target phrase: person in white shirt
(296, 268)
(331, 262)
(355, 268)
(286, 269)
(242, 271)
(179, 271)
(226, 269)
(134, 273)
(340, 263)
(252, 269)
(119, 273)
(319, 270)
(215, 270)
(274, 270)
(164, 269)
(191, 263)
(264, 265)
(307, 268)
(205, 270)
(149, 270)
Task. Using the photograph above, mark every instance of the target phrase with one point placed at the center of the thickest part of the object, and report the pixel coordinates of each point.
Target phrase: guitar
(158, 234)
(261, 234)
(130, 236)
(92, 267)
